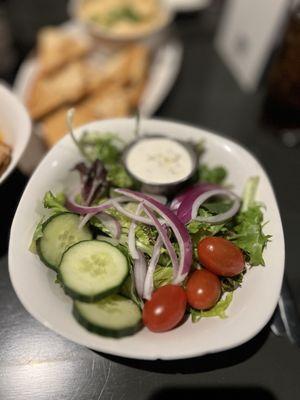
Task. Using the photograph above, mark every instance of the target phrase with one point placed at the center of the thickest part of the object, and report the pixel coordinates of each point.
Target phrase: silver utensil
(286, 321)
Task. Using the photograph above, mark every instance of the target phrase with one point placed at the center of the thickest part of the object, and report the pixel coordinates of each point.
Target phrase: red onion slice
(131, 235)
(131, 215)
(180, 231)
(80, 209)
(84, 220)
(110, 223)
(165, 238)
(139, 272)
(107, 239)
(184, 201)
(220, 217)
(148, 284)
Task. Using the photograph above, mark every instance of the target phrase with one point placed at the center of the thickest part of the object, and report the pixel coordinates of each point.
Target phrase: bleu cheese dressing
(159, 161)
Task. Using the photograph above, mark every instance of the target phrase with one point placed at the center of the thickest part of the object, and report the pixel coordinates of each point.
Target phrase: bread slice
(108, 102)
(120, 68)
(57, 47)
(137, 74)
(50, 92)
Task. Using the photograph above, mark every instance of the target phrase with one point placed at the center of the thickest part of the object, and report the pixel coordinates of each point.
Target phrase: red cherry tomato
(165, 309)
(203, 289)
(220, 256)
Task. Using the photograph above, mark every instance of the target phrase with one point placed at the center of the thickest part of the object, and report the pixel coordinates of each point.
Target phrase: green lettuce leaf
(145, 234)
(219, 310)
(248, 232)
(229, 284)
(217, 207)
(106, 147)
(200, 230)
(38, 233)
(212, 175)
(249, 236)
(55, 202)
(162, 276)
(118, 176)
(96, 223)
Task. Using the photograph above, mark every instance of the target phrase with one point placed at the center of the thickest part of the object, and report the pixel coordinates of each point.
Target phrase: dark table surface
(35, 363)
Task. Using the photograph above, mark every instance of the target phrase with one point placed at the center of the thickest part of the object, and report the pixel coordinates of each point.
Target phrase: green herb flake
(125, 13)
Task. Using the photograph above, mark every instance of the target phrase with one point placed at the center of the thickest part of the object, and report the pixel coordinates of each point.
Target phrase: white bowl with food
(122, 21)
(15, 130)
(116, 250)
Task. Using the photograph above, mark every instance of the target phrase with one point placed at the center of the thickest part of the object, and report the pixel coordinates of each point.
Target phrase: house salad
(130, 259)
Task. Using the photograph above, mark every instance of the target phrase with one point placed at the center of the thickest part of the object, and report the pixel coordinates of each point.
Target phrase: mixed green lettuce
(218, 310)
(245, 229)
(212, 175)
(108, 149)
(248, 232)
(56, 204)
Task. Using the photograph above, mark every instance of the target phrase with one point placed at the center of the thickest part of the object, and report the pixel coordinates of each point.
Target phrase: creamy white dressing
(159, 161)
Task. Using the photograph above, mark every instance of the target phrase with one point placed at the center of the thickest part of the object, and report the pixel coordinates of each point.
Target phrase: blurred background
(256, 41)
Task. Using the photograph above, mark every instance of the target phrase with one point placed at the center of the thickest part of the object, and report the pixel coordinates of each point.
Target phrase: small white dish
(109, 36)
(15, 127)
(252, 306)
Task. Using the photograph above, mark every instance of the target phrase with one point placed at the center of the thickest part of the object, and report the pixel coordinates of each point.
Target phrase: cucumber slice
(92, 269)
(59, 233)
(114, 316)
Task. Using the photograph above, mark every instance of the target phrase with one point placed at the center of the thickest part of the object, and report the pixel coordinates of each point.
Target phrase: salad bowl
(252, 306)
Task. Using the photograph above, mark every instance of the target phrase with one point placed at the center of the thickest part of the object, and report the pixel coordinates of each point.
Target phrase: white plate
(252, 306)
(187, 5)
(15, 126)
(163, 73)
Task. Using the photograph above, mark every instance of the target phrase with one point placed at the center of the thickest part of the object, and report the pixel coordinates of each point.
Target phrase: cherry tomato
(220, 256)
(165, 309)
(203, 289)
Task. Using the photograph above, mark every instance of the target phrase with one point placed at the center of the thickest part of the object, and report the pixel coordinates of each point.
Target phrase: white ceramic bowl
(15, 126)
(252, 305)
(111, 37)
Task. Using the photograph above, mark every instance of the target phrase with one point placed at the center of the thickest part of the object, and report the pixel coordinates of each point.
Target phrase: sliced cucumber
(114, 316)
(59, 233)
(92, 269)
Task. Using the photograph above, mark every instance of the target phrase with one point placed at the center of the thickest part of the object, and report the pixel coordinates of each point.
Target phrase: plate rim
(27, 129)
(144, 355)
